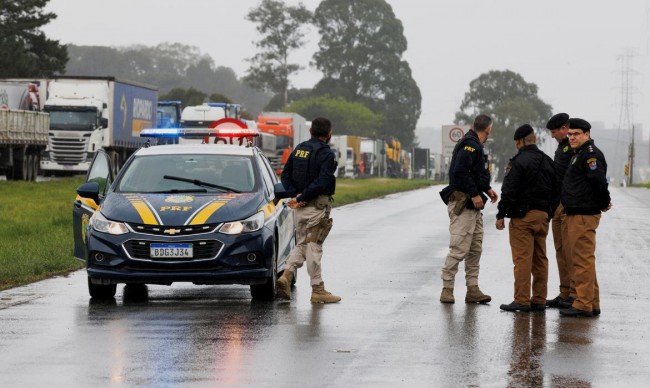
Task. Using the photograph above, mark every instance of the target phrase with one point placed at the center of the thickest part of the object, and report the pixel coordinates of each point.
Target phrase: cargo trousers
(306, 220)
(564, 261)
(465, 244)
(582, 248)
(528, 245)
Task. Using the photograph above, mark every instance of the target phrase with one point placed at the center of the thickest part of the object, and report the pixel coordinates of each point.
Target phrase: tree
(281, 30)
(360, 55)
(25, 51)
(350, 118)
(510, 101)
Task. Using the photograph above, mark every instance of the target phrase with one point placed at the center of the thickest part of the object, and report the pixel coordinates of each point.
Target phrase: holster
(318, 233)
(459, 199)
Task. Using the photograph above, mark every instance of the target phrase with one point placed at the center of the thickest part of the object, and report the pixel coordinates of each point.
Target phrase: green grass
(36, 239)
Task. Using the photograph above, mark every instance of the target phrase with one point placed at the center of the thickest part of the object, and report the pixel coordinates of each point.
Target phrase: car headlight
(251, 224)
(101, 224)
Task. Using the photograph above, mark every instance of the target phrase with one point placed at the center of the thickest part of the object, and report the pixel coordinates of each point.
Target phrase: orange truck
(290, 129)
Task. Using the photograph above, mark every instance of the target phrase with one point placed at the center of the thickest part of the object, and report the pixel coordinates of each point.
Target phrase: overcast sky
(571, 49)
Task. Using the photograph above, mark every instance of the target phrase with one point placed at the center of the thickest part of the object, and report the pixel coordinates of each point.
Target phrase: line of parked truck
(55, 126)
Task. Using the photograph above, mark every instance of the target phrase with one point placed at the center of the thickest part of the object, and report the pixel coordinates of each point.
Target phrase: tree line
(367, 87)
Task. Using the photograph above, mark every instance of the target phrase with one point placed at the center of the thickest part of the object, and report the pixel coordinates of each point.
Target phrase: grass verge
(36, 239)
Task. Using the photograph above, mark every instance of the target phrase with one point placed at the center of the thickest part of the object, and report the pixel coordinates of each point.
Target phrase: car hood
(180, 209)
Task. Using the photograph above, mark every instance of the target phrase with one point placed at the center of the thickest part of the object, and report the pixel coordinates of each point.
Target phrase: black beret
(579, 124)
(557, 121)
(523, 131)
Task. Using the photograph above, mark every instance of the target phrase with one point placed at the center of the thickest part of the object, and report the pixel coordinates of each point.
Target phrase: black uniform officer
(529, 197)
(585, 195)
(559, 126)
(309, 177)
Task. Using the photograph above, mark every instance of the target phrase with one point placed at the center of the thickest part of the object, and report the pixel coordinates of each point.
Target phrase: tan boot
(474, 295)
(320, 295)
(447, 295)
(284, 284)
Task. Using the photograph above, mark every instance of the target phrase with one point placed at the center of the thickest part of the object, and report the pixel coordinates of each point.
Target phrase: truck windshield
(74, 120)
(167, 116)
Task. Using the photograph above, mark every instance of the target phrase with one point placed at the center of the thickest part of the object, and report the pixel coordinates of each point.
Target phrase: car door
(285, 218)
(100, 171)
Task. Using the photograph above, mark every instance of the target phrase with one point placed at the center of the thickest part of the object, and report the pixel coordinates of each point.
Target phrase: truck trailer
(92, 113)
(23, 128)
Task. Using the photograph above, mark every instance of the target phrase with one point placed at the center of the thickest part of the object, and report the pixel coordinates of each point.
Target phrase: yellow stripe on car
(148, 218)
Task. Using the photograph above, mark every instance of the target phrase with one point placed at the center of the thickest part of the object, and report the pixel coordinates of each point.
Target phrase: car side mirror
(280, 192)
(89, 190)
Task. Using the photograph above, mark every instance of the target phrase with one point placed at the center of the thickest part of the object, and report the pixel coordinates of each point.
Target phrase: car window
(100, 172)
(147, 173)
(266, 176)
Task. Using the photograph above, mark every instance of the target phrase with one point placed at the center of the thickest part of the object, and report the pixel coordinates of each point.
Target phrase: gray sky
(571, 49)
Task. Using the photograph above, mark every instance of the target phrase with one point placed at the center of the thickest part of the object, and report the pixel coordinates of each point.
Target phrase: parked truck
(202, 116)
(23, 129)
(290, 129)
(92, 113)
(168, 114)
(348, 150)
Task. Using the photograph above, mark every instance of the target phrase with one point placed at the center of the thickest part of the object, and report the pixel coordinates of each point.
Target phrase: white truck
(23, 129)
(92, 113)
(202, 116)
(345, 154)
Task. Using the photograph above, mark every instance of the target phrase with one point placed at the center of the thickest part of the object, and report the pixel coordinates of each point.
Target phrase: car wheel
(101, 291)
(267, 290)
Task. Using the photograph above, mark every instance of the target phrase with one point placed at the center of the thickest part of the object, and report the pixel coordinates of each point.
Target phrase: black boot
(555, 302)
(566, 303)
(514, 307)
(576, 313)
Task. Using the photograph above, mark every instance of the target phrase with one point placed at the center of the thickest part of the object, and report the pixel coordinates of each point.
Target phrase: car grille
(203, 250)
(165, 230)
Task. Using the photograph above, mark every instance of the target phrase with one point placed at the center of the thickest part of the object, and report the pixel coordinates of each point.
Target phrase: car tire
(101, 291)
(267, 290)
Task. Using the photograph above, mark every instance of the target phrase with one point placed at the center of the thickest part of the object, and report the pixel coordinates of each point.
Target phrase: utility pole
(625, 117)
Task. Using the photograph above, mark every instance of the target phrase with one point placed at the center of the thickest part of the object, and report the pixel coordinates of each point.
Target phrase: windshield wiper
(201, 183)
(175, 191)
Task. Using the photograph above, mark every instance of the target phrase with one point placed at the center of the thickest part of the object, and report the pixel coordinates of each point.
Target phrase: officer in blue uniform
(309, 178)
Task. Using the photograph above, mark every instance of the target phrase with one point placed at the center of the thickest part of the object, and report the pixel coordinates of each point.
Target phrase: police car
(200, 213)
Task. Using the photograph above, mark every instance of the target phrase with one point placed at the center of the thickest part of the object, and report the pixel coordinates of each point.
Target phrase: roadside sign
(451, 134)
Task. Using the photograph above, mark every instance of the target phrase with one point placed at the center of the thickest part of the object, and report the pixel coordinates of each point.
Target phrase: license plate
(171, 251)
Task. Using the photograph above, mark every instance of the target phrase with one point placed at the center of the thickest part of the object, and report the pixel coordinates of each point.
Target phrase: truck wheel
(36, 167)
(101, 291)
(27, 168)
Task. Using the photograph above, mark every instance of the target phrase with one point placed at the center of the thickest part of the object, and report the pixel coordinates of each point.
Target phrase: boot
(284, 284)
(320, 295)
(447, 295)
(474, 295)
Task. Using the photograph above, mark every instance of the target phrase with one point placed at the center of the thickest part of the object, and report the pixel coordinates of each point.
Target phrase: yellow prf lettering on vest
(470, 149)
(302, 154)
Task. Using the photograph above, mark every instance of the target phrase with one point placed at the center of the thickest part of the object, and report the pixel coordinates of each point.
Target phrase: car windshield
(188, 173)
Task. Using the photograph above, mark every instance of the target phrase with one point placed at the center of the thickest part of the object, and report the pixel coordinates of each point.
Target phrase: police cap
(579, 124)
(523, 131)
(557, 121)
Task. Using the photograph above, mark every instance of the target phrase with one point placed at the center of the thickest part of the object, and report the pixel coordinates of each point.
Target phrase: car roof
(176, 149)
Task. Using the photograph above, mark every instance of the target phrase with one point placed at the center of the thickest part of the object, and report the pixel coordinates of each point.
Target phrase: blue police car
(199, 213)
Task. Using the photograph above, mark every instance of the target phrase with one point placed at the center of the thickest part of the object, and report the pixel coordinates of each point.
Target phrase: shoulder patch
(566, 149)
(468, 148)
(592, 163)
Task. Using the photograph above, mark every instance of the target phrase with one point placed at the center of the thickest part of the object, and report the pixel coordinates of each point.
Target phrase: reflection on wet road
(383, 257)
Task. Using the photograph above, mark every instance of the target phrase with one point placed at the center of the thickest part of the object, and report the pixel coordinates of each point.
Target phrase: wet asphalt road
(384, 258)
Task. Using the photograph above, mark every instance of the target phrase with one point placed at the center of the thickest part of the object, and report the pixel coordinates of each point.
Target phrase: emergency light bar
(199, 132)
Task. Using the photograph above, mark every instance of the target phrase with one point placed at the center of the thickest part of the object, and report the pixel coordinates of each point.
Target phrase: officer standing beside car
(585, 195)
(528, 197)
(468, 180)
(559, 126)
(309, 178)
